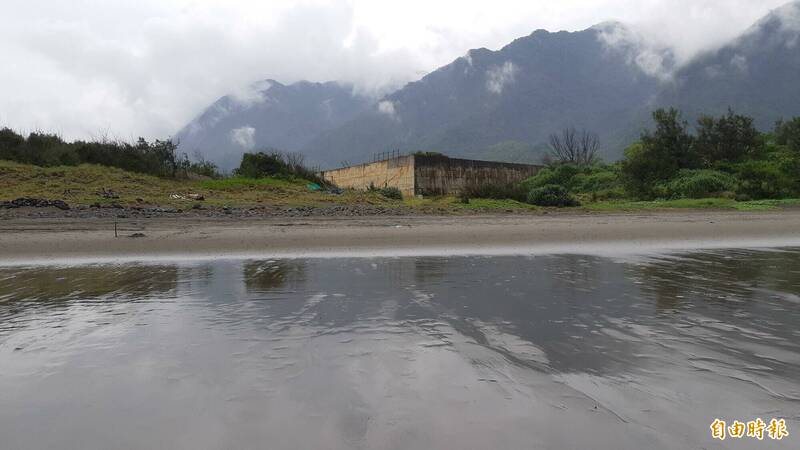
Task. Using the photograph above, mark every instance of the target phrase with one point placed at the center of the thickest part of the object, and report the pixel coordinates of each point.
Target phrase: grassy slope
(80, 186)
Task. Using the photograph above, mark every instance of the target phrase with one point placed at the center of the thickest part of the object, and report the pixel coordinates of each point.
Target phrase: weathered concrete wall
(440, 175)
(395, 172)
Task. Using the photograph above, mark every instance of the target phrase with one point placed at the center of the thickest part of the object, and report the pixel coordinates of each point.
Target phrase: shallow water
(435, 352)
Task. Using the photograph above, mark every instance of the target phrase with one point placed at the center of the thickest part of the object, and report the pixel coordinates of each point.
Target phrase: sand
(86, 240)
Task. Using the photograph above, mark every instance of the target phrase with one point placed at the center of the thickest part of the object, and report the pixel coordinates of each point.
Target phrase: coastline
(69, 241)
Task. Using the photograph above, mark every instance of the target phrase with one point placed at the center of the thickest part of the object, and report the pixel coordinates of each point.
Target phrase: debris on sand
(195, 197)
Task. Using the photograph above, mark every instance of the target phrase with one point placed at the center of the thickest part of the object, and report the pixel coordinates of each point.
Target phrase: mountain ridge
(502, 104)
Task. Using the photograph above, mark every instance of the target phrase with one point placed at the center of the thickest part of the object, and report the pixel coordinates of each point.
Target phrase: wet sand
(47, 240)
(545, 352)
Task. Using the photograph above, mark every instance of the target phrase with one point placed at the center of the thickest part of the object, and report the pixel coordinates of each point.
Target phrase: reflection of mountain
(566, 313)
(546, 352)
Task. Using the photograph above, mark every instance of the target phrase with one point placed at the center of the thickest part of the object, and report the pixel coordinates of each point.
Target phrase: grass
(241, 183)
(82, 185)
(453, 203)
(705, 203)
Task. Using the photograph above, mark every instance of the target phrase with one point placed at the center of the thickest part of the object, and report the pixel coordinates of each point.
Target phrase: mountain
(516, 96)
(269, 114)
(503, 105)
(757, 74)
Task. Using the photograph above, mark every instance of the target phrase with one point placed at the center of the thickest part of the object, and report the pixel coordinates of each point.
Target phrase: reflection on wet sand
(467, 352)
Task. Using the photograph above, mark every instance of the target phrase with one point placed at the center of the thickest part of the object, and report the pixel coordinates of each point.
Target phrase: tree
(731, 138)
(573, 147)
(671, 141)
(788, 133)
(660, 154)
(10, 144)
(167, 155)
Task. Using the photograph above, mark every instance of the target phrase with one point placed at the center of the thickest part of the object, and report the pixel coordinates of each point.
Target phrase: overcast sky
(127, 68)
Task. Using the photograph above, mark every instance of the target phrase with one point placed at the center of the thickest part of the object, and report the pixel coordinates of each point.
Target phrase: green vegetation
(242, 183)
(391, 192)
(723, 163)
(726, 156)
(277, 165)
(551, 195)
(509, 191)
(726, 163)
(158, 158)
(386, 191)
(699, 183)
(88, 184)
(705, 203)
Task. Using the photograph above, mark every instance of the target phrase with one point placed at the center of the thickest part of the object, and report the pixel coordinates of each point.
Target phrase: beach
(68, 239)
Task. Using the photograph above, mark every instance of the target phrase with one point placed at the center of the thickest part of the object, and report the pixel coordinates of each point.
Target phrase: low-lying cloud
(386, 107)
(498, 77)
(146, 68)
(244, 137)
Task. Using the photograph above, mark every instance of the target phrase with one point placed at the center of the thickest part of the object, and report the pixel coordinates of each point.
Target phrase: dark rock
(34, 203)
(107, 193)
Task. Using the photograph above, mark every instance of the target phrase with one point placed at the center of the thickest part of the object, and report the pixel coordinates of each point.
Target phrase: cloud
(146, 68)
(789, 15)
(652, 57)
(251, 94)
(739, 62)
(244, 137)
(386, 107)
(498, 77)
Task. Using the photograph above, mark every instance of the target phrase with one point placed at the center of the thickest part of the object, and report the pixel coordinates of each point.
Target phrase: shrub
(697, 184)
(615, 193)
(496, 191)
(596, 179)
(558, 174)
(551, 195)
(275, 164)
(42, 149)
(762, 180)
(203, 168)
(262, 165)
(391, 192)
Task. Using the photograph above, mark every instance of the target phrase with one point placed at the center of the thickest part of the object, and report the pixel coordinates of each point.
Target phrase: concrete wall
(439, 175)
(428, 174)
(395, 172)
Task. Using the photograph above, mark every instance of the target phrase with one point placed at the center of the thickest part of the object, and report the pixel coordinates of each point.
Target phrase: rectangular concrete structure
(426, 174)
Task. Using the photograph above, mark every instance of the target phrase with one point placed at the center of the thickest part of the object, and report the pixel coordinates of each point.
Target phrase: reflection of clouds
(561, 351)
